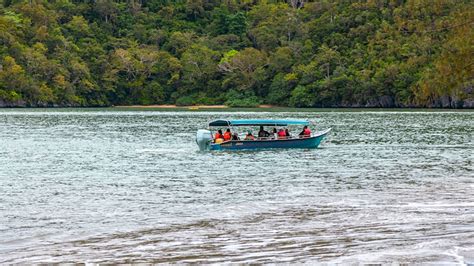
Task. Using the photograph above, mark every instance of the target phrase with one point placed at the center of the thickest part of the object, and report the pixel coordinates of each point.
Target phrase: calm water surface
(131, 186)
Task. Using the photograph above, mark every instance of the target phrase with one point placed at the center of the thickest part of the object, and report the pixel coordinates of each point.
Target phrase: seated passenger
(306, 132)
(218, 135)
(275, 133)
(287, 133)
(249, 136)
(227, 135)
(263, 133)
(281, 134)
(235, 136)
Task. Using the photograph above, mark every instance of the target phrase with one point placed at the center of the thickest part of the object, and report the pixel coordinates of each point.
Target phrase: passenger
(218, 135)
(306, 132)
(227, 135)
(275, 133)
(281, 134)
(235, 136)
(287, 133)
(263, 133)
(249, 136)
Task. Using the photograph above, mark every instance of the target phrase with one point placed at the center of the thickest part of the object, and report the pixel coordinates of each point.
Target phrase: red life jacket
(227, 135)
(249, 137)
(307, 132)
(218, 136)
(281, 133)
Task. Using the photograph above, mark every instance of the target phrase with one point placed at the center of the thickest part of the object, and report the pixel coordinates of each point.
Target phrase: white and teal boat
(205, 140)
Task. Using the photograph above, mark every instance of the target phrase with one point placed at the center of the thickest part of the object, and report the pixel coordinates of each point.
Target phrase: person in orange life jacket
(306, 132)
(249, 136)
(227, 135)
(218, 135)
(281, 134)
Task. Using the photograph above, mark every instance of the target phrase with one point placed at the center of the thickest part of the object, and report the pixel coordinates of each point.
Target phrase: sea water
(110, 185)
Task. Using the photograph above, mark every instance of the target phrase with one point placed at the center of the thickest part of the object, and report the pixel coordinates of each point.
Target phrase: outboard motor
(203, 139)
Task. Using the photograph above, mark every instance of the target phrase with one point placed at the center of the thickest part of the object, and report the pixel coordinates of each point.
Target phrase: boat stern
(204, 139)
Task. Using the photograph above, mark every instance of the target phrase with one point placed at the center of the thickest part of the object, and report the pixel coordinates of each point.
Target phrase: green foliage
(241, 99)
(13, 17)
(225, 22)
(240, 53)
(9, 96)
(185, 101)
(280, 90)
(301, 97)
(243, 70)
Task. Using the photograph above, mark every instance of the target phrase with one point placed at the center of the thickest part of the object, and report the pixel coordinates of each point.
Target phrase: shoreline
(192, 107)
(268, 106)
(263, 107)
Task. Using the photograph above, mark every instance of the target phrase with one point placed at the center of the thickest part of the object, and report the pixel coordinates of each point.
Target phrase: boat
(205, 140)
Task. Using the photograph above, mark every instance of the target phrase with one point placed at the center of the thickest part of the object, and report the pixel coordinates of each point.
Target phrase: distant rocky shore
(390, 102)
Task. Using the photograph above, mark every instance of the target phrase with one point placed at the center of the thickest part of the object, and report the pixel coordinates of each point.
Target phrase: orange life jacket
(227, 135)
(218, 136)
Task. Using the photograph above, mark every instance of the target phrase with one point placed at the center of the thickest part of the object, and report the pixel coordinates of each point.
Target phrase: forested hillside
(374, 53)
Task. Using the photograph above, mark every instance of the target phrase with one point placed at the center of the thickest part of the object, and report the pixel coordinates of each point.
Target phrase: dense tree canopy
(378, 53)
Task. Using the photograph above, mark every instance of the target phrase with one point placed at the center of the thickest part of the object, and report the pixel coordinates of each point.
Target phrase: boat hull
(299, 143)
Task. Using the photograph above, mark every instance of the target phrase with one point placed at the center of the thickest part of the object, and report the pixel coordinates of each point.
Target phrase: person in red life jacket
(218, 135)
(227, 135)
(281, 134)
(249, 136)
(306, 132)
